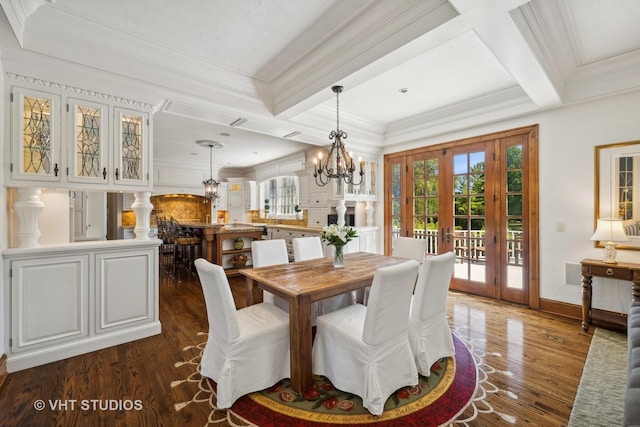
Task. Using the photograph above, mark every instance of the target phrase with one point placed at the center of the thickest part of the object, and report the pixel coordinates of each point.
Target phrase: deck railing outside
(470, 245)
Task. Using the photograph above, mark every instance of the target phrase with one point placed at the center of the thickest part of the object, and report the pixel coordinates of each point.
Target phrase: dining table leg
(254, 293)
(301, 342)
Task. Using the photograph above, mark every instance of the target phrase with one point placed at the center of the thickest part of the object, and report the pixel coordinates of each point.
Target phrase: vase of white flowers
(337, 237)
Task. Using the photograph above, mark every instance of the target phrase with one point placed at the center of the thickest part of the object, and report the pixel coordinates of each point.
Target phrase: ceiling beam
(492, 21)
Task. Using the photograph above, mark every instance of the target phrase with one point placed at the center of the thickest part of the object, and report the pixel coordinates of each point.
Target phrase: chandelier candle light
(338, 236)
(338, 164)
(210, 185)
(609, 231)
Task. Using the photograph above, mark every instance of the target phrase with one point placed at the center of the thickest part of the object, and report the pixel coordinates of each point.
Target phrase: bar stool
(167, 249)
(187, 250)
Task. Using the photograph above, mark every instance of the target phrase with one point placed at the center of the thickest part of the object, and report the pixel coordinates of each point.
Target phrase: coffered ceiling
(410, 68)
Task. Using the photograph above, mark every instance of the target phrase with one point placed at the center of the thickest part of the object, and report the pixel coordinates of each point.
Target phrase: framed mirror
(617, 188)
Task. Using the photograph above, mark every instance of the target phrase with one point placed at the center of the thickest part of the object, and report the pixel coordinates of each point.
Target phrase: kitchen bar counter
(213, 235)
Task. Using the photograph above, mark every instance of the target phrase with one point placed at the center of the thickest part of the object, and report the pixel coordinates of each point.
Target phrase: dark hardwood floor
(538, 360)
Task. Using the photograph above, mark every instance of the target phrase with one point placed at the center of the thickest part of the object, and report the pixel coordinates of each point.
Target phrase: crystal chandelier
(338, 164)
(210, 185)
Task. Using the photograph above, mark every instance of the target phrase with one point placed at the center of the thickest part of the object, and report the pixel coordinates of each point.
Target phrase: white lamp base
(610, 253)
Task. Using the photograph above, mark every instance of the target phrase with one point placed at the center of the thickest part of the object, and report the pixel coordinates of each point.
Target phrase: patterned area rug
(600, 396)
(454, 393)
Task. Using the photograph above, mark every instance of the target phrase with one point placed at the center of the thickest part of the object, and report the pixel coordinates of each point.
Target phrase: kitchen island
(221, 243)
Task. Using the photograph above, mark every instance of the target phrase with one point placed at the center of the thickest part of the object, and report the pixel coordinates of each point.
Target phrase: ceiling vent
(237, 122)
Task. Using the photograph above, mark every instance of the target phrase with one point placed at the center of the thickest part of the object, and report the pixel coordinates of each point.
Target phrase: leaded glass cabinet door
(88, 160)
(36, 138)
(132, 154)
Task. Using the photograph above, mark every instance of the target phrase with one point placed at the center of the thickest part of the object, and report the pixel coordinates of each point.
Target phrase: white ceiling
(205, 63)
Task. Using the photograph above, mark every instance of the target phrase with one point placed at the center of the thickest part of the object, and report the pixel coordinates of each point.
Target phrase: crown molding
(484, 109)
(76, 91)
(17, 12)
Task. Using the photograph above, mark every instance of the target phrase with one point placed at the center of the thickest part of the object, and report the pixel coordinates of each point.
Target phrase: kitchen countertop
(311, 229)
(223, 228)
(296, 227)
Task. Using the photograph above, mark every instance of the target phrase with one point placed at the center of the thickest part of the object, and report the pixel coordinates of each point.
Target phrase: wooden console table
(620, 271)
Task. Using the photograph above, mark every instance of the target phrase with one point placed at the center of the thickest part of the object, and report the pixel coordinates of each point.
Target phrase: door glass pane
(88, 142)
(418, 188)
(36, 136)
(469, 239)
(425, 202)
(396, 206)
(514, 220)
(131, 127)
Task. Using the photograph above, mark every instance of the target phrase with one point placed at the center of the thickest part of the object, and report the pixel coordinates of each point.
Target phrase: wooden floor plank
(538, 358)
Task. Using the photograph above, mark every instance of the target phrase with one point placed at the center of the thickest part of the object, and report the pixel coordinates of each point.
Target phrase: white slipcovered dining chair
(410, 248)
(429, 333)
(248, 349)
(305, 248)
(265, 253)
(403, 247)
(365, 350)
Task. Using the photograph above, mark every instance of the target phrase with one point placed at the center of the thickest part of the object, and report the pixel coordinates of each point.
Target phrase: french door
(474, 198)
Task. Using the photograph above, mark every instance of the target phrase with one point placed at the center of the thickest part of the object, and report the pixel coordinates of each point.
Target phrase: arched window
(282, 193)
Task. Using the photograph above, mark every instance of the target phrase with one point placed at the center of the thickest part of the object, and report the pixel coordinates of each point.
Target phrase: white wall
(4, 227)
(53, 221)
(566, 161)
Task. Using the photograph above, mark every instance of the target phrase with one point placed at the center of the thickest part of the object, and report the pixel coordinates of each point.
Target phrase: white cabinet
(367, 188)
(303, 189)
(84, 145)
(87, 124)
(223, 201)
(250, 196)
(317, 200)
(66, 300)
(234, 202)
(49, 301)
(234, 196)
(288, 234)
(124, 295)
(317, 217)
(131, 153)
(36, 121)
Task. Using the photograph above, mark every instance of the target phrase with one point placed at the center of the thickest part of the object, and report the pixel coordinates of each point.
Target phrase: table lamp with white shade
(609, 231)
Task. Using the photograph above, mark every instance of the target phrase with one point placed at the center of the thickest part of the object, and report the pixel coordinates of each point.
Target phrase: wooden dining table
(304, 282)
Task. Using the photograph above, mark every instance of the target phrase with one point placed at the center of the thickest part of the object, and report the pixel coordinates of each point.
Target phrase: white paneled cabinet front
(62, 301)
(124, 292)
(49, 301)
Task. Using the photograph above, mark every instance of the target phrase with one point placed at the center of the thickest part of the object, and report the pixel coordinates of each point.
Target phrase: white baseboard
(30, 359)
